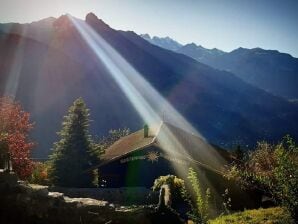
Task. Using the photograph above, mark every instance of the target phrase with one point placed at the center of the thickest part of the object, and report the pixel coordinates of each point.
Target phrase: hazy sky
(225, 24)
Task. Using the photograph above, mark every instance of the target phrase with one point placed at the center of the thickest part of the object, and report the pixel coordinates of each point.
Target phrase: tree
(273, 170)
(75, 153)
(113, 136)
(14, 136)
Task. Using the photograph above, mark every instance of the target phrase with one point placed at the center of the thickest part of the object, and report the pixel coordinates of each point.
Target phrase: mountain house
(141, 157)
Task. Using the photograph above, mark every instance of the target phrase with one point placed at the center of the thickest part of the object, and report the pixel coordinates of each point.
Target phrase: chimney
(146, 131)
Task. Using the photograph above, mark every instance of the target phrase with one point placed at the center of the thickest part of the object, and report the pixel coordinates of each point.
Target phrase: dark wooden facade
(140, 168)
(136, 169)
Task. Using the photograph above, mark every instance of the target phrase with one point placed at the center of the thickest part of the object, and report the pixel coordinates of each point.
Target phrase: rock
(55, 194)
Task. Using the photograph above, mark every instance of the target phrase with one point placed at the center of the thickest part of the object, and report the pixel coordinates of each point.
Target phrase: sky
(224, 24)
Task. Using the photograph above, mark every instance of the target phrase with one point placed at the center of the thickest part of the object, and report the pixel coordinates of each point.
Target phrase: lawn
(275, 215)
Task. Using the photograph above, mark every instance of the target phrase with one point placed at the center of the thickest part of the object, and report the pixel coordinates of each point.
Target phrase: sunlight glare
(145, 99)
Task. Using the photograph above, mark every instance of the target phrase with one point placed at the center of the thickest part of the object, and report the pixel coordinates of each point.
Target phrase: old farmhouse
(139, 158)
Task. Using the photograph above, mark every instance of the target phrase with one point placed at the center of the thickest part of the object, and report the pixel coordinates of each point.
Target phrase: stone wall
(123, 196)
(24, 204)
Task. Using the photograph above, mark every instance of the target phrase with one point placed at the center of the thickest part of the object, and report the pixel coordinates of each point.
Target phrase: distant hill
(269, 70)
(48, 65)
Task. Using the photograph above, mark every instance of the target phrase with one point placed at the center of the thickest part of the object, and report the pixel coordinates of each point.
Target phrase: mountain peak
(164, 42)
(63, 22)
(92, 19)
(194, 46)
(91, 16)
(146, 36)
(191, 45)
(241, 49)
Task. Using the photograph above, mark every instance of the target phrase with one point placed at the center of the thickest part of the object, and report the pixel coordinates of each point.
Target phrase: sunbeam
(12, 83)
(107, 55)
(150, 104)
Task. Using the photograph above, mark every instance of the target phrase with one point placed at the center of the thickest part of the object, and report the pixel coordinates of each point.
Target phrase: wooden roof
(172, 140)
(130, 143)
(127, 144)
(192, 147)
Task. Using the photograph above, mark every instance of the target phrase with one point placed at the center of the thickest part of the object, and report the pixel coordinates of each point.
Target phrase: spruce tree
(74, 153)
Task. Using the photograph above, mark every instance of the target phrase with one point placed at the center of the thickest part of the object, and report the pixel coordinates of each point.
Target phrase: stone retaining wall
(24, 204)
(123, 196)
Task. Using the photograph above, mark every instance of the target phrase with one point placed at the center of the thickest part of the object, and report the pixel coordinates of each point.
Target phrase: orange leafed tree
(14, 133)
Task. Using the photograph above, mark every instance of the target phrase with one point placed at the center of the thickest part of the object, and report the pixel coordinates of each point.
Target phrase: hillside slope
(54, 67)
(269, 70)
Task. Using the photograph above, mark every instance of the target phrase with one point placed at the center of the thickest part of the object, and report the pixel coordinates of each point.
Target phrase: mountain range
(48, 64)
(166, 42)
(270, 70)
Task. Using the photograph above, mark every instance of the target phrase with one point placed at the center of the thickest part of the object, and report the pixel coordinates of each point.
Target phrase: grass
(275, 215)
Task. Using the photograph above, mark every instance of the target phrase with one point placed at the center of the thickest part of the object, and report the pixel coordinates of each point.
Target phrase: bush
(176, 185)
(272, 169)
(200, 207)
(40, 174)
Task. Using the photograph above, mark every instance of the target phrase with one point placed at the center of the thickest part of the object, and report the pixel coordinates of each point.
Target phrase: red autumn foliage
(14, 130)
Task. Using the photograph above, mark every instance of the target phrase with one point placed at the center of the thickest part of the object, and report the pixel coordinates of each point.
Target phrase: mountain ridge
(224, 109)
(270, 70)
(166, 42)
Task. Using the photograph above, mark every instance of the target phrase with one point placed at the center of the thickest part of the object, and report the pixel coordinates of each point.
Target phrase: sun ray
(15, 69)
(147, 102)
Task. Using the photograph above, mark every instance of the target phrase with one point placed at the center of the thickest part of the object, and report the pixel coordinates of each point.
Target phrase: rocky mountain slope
(270, 70)
(47, 65)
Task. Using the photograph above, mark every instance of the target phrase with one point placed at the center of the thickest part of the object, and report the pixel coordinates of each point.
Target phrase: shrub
(200, 207)
(176, 185)
(40, 174)
(272, 169)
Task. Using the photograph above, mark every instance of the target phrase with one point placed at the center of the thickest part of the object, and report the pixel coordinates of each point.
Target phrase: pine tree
(74, 153)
